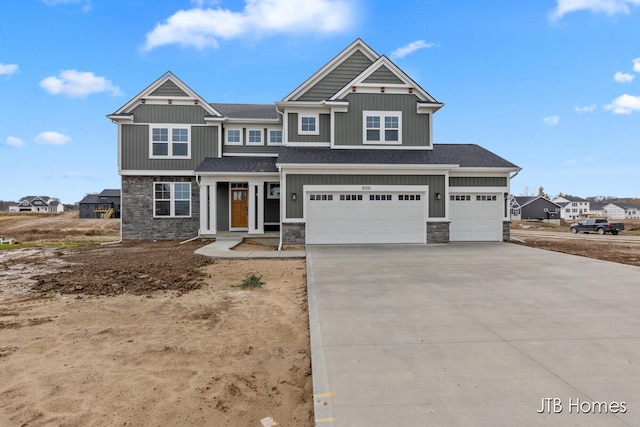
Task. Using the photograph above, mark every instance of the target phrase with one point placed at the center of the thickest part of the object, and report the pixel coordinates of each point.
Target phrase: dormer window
(170, 142)
(382, 127)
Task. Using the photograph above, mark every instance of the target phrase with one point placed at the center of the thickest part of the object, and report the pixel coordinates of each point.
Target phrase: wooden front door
(239, 208)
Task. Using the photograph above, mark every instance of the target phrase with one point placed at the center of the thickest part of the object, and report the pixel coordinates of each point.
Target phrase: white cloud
(8, 68)
(52, 138)
(623, 77)
(551, 120)
(624, 104)
(12, 141)
(202, 28)
(78, 84)
(585, 109)
(609, 7)
(410, 48)
(636, 65)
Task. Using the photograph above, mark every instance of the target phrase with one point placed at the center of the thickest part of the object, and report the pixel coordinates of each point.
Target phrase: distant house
(620, 211)
(536, 208)
(44, 204)
(103, 205)
(572, 207)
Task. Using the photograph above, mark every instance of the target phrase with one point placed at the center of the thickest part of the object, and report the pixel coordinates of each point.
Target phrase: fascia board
(148, 172)
(350, 167)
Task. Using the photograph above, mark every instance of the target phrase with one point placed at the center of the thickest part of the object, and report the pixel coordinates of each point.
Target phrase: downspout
(198, 235)
(280, 173)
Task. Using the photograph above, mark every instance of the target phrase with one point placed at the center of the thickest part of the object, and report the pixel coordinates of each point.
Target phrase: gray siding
(384, 76)
(250, 149)
(222, 207)
(348, 70)
(168, 88)
(135, 149)
(295, 184)
(138, 222)
(478, 181)
(192, 114)
(415, 127)
(325, 129)
(536, 210)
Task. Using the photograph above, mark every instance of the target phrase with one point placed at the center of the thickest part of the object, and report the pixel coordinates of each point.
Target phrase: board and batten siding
(477, 181)
(325, 129)
(296, 182)
(349, 125)
(135, 149)
(349, 69)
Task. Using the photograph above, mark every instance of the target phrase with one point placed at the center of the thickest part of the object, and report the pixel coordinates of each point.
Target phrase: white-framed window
(170, 141)
(171, 199)
(273, 190)
(254, 137)
(308, 124)
(275, 137)
(233, 137)
(382, 127)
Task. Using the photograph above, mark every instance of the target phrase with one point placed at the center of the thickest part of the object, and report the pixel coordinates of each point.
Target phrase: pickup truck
(601, 226)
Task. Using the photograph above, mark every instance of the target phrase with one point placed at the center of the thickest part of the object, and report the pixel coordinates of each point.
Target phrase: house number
(366, 187)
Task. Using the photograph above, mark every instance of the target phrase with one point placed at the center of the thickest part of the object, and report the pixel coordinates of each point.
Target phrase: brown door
(239, 209)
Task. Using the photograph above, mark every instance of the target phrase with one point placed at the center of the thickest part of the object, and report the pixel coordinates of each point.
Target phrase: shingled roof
(247, 111)
(238, 164)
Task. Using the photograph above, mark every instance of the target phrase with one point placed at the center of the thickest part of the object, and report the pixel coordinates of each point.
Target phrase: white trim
(172, 200)
(310, 115)
(381, 115)
(252, 121)
(170, 143)
(386, 146)
(255, 144)
(150, 173)
(342, 169)
(308, 144)
(275, 144)
(226, 136)
(227, 154)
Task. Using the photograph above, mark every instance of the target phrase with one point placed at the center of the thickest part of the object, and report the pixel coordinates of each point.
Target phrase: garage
(385, 214)
(475, 217)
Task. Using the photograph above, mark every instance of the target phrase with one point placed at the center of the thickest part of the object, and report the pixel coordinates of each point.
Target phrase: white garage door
(475, 217)
(342, 217)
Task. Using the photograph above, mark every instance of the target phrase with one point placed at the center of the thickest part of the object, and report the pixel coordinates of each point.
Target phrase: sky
(550, 85)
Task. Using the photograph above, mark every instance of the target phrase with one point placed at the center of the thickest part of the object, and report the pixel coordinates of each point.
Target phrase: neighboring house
(572, 207)
(347, 157)
(537, 208)
(620, 211)
(103, 205)
(38, 204)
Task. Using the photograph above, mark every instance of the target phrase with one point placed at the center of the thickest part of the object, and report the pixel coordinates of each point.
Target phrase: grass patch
(250, 282)
(6, 246)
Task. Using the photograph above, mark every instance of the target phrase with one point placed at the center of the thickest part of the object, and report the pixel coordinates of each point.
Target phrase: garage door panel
(359, 220)
(475, 217)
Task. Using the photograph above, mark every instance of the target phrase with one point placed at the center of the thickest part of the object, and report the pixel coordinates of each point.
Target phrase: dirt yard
(148, 333)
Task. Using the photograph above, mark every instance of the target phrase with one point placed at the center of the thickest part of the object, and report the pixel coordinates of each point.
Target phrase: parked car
(601, 226)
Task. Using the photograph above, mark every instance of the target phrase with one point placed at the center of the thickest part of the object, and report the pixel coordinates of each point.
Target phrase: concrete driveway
(478, 334)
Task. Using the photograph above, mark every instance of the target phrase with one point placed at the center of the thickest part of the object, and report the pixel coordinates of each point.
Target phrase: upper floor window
(382, 127)
(275, 137)
(172, 199)
(254, 137)
(308, 124)
(170, 142)
(234, 137)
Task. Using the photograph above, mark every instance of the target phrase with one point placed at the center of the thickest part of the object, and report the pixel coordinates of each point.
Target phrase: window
(308, 124)
(382, 127)
(275, 137)
(351, 197)
(408, 197)
(234, 137)
(321, 197)
(254, 137)
(273, 190)
(172, 199)
(380, 197)
(170, 142)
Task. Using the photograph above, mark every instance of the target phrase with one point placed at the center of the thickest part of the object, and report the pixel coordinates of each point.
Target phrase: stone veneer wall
(138, 222)
(506, 231)
(438, 232)
(293, 233)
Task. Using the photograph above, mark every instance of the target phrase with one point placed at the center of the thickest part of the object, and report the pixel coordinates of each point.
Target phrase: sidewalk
(223, 248)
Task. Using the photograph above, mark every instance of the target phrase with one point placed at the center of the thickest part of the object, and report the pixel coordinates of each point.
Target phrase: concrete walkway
(223, 248)
(483, 334)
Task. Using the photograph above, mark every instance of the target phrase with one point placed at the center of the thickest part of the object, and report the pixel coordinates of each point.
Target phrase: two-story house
(572, 207)
(42, 204)
(346, 157)
(105, 204)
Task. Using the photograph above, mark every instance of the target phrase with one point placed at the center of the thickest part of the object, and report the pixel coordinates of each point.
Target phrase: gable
(338, 78)
(384, 76)
(168, 88)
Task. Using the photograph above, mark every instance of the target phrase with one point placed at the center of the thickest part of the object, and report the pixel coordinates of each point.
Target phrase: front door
(239, 208)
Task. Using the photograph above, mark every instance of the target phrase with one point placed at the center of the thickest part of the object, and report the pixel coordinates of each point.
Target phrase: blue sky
(551, 85)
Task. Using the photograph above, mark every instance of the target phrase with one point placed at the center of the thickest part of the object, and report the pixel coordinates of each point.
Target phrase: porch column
(208, 191)
(256, 207)
(213, 211)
